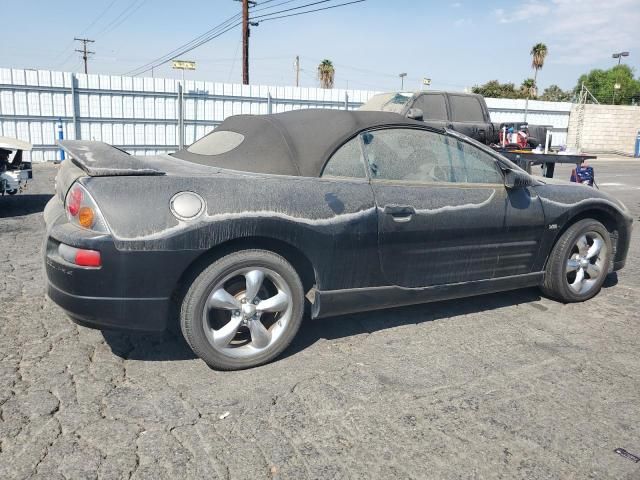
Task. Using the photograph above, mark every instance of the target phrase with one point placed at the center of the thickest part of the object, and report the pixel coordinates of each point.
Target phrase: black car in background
(348, 211)
(466, 113)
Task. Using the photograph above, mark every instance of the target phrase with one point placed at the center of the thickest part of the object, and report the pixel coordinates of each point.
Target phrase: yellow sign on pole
(184, 64)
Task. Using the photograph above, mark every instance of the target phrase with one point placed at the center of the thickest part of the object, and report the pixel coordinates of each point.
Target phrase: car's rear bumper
(130, 290)
(113, 313)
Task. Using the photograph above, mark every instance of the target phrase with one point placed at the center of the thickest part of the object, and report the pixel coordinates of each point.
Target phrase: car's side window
(423, 156)
(479, 166)
(466, 109)
(432, 105)
(347, 161)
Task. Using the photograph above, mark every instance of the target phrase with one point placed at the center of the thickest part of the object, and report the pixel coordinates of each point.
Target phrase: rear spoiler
(100, 159)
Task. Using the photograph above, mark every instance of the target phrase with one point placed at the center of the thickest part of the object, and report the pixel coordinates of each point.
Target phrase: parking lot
(510, 385)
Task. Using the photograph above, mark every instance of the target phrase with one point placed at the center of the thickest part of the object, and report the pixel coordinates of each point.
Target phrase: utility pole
(297, 67)
(245, 42)
(246, 32)
(85, 53)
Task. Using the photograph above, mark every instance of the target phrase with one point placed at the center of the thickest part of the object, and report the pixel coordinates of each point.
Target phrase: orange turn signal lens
(86, 217)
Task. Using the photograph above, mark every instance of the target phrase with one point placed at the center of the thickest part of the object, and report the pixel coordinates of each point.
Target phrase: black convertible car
(349, 211)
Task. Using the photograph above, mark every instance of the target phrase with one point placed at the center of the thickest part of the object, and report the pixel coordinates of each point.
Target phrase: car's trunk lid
(99, 159)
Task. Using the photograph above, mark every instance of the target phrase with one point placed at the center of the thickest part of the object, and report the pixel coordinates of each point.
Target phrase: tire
(576, 269)
(243, 310)
(12, 192)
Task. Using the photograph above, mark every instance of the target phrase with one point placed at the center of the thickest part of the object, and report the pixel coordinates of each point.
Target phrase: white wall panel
(141, 113)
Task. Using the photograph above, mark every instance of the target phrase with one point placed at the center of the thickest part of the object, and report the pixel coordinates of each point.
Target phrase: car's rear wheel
(243, 310)
(579, 262)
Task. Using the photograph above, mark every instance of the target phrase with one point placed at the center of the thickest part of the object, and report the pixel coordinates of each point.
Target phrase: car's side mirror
(517, 179)
(415, 114)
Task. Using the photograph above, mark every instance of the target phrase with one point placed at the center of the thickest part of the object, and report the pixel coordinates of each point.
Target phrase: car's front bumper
(131, 290)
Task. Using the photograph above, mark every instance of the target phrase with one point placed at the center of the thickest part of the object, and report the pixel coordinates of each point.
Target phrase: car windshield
(388, 102)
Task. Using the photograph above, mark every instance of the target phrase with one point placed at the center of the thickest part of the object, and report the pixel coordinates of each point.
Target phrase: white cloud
(463, 22)
(456, 5)
(579, 32)
(586, 31)
(519, 12)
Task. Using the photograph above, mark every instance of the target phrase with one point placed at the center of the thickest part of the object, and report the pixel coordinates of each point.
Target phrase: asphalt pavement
(510, 385)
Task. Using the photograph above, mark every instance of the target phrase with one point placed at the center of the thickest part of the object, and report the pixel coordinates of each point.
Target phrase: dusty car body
(299, 198)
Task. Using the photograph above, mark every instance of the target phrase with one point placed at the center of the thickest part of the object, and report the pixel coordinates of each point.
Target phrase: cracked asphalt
(511, 385)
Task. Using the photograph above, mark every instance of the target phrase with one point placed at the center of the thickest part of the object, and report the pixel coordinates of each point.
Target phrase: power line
(173, 53)
(308, 11)
(222, 28)
(292, 8)
(177, 52)
(271, 6)
(120, 19)
(233, 64)
(70, 44)
(95, 20)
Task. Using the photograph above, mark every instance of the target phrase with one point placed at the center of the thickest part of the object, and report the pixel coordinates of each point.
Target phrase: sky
(457, 44)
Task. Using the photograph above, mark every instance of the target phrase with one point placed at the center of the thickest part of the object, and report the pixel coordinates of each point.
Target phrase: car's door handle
(400, 213)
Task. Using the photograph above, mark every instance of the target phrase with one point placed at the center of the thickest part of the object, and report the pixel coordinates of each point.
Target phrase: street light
(402, 75)
(619, 56)
(616, 86)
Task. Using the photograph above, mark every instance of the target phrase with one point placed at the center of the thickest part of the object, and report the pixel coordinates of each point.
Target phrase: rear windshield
(216, 143)
(388, 102)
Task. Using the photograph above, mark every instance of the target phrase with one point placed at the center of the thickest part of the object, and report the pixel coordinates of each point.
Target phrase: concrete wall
(604, 128)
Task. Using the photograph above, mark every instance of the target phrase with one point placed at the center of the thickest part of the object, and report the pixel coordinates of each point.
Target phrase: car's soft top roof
(292, 143)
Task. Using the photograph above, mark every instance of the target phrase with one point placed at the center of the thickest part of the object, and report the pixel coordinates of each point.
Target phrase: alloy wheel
(247, 311)
(586, 263)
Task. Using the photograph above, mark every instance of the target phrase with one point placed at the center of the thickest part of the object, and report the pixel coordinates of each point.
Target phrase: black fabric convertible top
(293, 143)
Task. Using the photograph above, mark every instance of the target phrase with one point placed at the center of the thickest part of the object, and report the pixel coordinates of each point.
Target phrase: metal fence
(142, 115)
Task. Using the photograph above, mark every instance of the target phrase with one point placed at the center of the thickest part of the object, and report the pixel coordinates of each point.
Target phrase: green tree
(553, 93)
(601, 84)
(495, 89)
(326, 73)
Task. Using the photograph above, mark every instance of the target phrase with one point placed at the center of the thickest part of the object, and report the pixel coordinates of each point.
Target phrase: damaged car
(233, 237)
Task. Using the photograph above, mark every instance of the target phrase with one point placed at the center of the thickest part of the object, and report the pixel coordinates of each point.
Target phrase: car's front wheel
(243, 310)
(579, 262)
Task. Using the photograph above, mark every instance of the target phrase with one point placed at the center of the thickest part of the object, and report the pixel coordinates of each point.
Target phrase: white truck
(14, 171)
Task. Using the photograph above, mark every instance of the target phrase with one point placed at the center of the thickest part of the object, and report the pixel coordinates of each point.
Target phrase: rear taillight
(82, 210)
(80, 256)
(74, 200)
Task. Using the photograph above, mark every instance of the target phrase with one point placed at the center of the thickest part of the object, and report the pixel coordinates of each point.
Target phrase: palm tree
(538, 53)
(326, 73)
